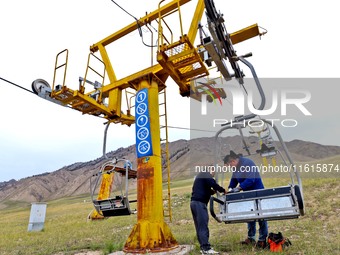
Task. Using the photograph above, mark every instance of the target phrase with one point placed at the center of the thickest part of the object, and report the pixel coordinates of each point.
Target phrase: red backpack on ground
(277, 242)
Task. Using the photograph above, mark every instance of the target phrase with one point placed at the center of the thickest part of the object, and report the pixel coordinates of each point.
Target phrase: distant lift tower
(179, 59)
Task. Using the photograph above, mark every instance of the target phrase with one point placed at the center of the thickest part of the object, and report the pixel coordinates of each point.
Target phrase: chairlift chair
(118, 205)
(279, 203)
(268, 204)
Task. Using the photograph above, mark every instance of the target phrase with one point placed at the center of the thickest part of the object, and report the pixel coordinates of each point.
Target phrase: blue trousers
(263, 230)
(200, 215)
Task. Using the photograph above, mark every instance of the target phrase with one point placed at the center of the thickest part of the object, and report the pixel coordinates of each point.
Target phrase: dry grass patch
(67, 231)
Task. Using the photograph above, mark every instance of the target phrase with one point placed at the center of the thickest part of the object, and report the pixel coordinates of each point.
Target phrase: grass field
(67, 231)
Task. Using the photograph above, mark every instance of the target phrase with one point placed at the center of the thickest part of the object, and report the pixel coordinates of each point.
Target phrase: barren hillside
(74, 179)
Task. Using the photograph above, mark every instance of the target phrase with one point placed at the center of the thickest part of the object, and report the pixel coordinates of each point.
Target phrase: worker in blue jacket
(246, 177)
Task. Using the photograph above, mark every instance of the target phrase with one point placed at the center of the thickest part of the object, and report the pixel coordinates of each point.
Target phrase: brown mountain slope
(184, 155)
(312, 150)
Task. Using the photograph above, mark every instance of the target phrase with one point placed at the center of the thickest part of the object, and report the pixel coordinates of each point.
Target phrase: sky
(37, 136)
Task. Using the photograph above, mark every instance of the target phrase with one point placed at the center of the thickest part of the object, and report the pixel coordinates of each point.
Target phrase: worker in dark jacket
(204, 186)
(247, 177)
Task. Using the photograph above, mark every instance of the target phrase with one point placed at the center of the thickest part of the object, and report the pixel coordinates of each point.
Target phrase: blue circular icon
(142, 133)
(141, 96)
(141, 108)
(144, 147)
(142, 120)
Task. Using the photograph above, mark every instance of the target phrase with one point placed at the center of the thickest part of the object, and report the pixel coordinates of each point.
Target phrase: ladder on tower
(163, 122)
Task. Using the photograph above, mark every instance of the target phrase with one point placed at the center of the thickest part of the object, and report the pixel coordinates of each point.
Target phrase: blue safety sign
(143, 135)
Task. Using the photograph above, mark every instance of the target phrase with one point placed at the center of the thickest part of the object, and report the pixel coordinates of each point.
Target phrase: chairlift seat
(266, 151)
(266, 204)
(117, 206)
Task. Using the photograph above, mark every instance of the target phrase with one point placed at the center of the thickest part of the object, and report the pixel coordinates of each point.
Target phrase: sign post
(37, 217)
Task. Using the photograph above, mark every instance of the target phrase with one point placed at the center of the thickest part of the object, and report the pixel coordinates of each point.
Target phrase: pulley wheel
(38, 85)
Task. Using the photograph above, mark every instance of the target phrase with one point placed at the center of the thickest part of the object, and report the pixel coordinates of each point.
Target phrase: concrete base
(180, 250)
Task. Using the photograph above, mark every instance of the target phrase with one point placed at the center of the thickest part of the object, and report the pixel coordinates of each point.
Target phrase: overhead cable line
(192, 129)
(183, 128)
(14, 84)
(138, 24)
(27, 90)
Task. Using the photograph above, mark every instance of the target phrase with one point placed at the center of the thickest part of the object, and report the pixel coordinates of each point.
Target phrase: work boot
(210, 251)
(261, 244)
(248, 241)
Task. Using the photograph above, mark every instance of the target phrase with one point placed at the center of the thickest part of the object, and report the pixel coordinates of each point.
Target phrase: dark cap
(230, 156)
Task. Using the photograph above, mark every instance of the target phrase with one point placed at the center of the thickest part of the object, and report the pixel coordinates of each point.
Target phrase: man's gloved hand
(235, 190)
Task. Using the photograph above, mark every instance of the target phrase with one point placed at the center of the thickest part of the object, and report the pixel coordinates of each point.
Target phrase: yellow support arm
(135, 25)
(195, 21)
(245, 34)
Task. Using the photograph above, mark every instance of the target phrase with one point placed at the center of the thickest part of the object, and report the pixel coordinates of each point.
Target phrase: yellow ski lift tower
(178, 58)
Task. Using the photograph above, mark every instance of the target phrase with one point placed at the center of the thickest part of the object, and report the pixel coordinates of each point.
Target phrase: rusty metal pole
(151, 233)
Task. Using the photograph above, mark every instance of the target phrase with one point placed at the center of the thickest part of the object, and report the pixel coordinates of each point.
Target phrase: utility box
(37, 217)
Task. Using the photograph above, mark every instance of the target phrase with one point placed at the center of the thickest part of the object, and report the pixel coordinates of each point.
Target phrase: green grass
(67, 231)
